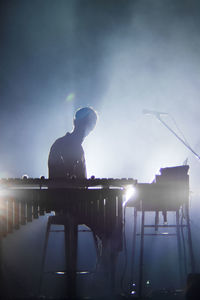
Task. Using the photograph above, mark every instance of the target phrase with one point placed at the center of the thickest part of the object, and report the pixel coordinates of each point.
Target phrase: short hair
(87, 116)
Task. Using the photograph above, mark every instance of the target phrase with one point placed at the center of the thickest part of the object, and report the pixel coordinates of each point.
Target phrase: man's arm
(55, 163)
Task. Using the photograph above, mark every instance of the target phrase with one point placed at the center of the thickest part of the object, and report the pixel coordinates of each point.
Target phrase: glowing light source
(133, 292)
(83, 272)
(70, 97)
(78, 272)
(130, 192)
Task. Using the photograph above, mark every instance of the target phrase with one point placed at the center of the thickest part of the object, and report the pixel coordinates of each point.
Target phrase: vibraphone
(93, 201)
(96, 203)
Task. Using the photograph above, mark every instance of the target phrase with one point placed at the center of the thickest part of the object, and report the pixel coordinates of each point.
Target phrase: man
(66, 157)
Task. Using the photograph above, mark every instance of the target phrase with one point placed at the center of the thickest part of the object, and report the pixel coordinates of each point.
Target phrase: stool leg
(71, 239)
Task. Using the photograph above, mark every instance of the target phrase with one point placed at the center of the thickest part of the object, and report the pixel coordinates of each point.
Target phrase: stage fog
(121, 58)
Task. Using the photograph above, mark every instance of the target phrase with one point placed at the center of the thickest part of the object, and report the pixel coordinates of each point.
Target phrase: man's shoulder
(62, 140)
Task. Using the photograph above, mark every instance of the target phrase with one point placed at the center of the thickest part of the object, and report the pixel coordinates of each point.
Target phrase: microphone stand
(176, 135)
(192, 259)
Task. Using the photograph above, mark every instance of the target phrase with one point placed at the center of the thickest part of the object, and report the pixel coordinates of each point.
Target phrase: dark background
(118, 56)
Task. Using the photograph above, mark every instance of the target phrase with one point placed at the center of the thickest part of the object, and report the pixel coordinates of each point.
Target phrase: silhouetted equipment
(23, 200)
(97, 203)
(169, 192)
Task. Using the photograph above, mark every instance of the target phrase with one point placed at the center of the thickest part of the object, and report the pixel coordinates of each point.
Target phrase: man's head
(84, 121)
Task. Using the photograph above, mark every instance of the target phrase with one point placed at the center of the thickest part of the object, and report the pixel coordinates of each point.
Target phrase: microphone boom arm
(177, 136)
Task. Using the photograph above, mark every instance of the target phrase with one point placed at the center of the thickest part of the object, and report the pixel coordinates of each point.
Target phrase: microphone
(153, 112)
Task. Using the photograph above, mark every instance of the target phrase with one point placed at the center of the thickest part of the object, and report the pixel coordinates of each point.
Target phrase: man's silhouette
(66, 156)
(66, 159)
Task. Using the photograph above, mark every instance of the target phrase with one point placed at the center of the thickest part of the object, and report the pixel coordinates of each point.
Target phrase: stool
(71, 238)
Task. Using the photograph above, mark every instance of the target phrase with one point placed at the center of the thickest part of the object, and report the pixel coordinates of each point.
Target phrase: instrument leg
(133, 248)
(191, 253)
(179, 246)
(141, 263)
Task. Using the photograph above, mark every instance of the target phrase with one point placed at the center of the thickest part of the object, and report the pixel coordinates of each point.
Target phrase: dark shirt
(66, 158)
